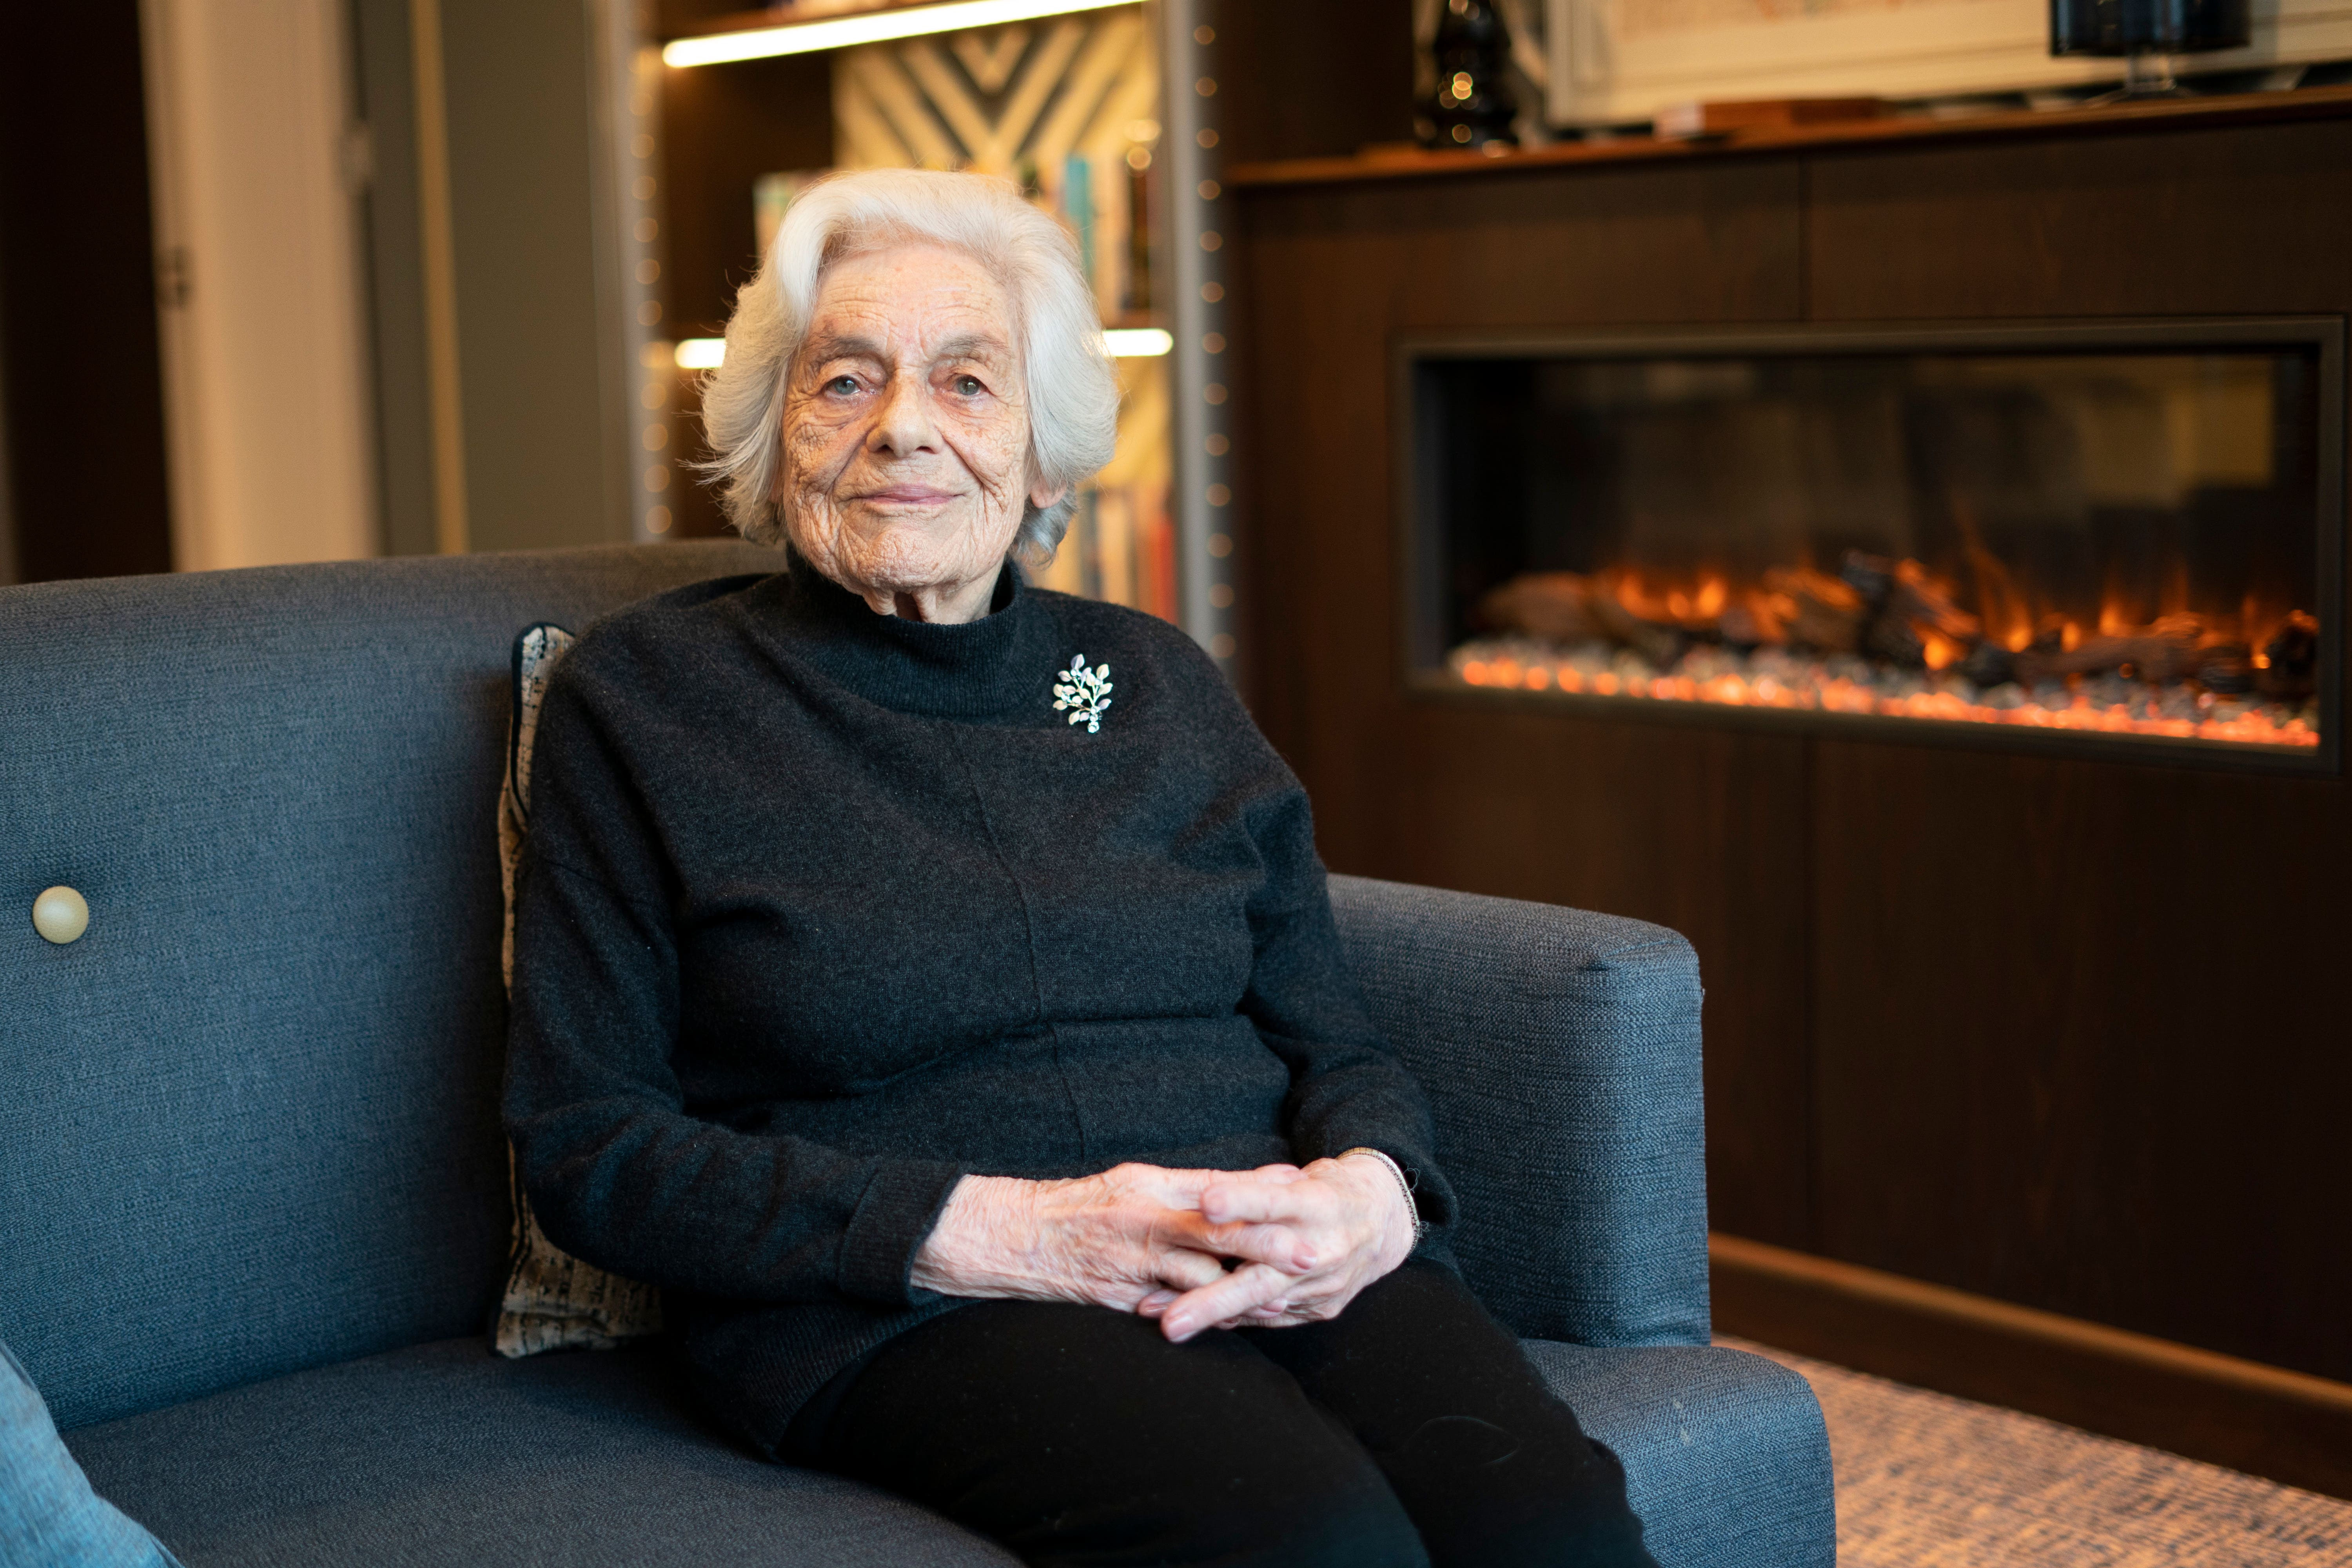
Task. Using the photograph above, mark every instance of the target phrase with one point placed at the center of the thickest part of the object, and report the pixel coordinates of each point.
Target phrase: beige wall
(545, 340)
(254, 167)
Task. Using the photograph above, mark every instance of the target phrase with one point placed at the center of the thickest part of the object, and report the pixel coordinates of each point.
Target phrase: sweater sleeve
(1349, 1088)
(618, 1172)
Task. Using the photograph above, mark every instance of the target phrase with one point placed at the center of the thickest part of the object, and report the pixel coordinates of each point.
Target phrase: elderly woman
(928, 981)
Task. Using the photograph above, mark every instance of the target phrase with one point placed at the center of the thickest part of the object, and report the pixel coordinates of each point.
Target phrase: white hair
(1073, 395)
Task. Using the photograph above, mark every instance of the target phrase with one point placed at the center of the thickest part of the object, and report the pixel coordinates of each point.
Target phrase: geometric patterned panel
(1060, 107)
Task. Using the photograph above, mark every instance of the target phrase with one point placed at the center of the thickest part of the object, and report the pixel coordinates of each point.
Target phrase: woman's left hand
(1352, 1216)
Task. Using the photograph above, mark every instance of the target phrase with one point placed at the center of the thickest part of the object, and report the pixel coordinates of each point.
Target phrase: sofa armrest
(1560, 1053)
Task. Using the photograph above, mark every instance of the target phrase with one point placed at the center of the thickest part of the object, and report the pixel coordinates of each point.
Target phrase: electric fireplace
(2113, 536)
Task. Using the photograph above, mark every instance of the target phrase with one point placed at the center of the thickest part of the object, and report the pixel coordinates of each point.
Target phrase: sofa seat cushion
(445, 1454)
(1727, 1458)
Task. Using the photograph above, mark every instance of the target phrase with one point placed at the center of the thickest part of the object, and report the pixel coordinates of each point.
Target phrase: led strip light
(868, 27)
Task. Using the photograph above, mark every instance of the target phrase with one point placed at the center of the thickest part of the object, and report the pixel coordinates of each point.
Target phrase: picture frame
(1616, 62)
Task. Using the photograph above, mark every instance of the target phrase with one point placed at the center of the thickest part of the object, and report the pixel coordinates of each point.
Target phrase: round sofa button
(60, 914)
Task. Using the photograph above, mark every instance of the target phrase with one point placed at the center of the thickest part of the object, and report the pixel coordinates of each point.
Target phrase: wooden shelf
(1408, 164)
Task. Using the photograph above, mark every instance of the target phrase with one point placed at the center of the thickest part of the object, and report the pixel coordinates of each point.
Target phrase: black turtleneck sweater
(822, 909)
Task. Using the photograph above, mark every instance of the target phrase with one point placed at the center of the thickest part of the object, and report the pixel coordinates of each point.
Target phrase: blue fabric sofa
(253, 1207)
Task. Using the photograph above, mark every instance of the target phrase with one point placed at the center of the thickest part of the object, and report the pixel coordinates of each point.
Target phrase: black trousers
(1410, 1430)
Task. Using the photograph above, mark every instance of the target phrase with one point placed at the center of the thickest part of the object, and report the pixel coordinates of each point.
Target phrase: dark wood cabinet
(2101, 1070)
(2066, 1031)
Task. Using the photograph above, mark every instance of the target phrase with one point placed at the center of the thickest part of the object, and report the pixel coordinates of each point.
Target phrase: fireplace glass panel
(2118, 540)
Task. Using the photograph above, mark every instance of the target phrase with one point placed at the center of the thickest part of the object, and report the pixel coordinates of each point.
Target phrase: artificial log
(2292, 672)
(1904, 609)
(1823, 612)
(2176, 648)
(1659, 646)
(1894, 639)
(1987, 665)
(2226, 670)
(1568, 608)
(1918, 599)
(2155, 658)
(1757, 618)
(1555, 607)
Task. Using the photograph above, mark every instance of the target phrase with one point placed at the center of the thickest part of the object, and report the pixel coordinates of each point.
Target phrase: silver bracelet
(1404, 1185)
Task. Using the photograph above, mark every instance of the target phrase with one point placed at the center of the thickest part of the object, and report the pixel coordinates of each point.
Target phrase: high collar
(970, 670)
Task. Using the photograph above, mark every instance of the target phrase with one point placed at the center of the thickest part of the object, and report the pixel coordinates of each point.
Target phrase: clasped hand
(1196, 1249)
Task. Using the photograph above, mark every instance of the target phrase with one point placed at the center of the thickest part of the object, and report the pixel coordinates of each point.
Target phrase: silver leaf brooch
(1083, 692)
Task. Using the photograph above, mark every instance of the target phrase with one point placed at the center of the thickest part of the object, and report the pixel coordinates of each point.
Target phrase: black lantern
(2147, 34)
(1472, 106)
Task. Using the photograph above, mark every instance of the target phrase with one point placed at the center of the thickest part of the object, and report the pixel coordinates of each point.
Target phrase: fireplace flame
(1890, 637)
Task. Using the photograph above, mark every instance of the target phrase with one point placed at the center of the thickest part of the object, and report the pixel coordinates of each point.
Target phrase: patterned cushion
(48, 1516)
(553, 1301)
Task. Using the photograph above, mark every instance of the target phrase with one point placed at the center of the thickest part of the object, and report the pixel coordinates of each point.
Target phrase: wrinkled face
(906, 432)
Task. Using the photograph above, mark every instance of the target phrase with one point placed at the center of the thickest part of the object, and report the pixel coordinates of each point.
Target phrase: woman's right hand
(1353, 1212)
(1107, 1240)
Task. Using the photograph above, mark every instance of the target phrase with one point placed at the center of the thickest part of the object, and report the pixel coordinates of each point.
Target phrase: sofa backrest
(249, 1122)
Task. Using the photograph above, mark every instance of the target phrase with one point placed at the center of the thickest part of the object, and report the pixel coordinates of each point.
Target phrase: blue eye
(843, 386)
(968, 387)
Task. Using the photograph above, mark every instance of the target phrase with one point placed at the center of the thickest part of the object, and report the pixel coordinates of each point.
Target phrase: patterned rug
(1926, 1480)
